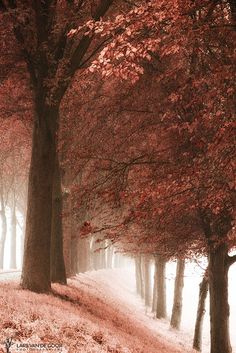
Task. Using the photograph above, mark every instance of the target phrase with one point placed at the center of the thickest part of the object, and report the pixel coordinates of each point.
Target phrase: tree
(52, 59)
(203, 290)
(196, 43)
(177, 305)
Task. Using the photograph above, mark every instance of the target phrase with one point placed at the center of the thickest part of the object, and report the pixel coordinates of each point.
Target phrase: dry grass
(81, 317)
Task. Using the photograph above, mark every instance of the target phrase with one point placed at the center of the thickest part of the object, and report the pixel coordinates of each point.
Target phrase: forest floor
(97, 312)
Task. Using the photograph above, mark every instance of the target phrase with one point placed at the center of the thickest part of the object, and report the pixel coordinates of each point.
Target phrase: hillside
(95, 313)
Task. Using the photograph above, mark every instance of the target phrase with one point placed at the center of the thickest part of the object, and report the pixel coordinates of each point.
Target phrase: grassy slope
(83, 316)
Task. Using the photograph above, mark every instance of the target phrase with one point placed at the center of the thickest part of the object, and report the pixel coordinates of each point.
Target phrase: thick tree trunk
(177, 304)
(203, 290)
(58, 272)
(36, 264)
(13, 238)
(147, 281)
(3, 232)
(160, 264)
(219, 306)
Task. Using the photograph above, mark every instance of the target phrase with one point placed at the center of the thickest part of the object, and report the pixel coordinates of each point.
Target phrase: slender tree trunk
(178, 300)
(73, 256)
(58, 272)
(102, 256)
(203, 290)
(147, 281)
(154, 292)
(13, 238)
(3, 231)
(117, 260)
(110, 251)
(94, 254)
(68, 224)
(138, 274)
(36, 264)
(142, 257)
(22, 240)
(219, 306)
(83, 264)
(160, 264)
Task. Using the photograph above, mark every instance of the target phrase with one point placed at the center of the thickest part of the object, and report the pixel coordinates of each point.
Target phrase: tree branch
(86, 40)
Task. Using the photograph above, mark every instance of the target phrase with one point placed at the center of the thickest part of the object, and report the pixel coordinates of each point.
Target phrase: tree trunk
(67, 223)
(219, 306)
(83, 263)
(22, 241)
(142, 277)
(102, 255)
(74, 257)
(179, 285)
(160, 264)
(138, 274)
(58, 272)
(110, 251)
(147, 281)
(3, 232)
(154, 292)
(13, 238)
(232, 4)
(36, 263)
(203, 289)
(99, 254)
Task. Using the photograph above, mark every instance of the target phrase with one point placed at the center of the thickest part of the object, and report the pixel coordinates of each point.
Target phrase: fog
(193, 276)
(19, 241)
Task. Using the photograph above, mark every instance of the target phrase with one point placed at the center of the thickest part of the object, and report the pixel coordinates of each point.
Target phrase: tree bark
(3, 231)
(160, 264)
(203, 290)
(36, 263)
(178, 292)
(219, 306)
(58, 272)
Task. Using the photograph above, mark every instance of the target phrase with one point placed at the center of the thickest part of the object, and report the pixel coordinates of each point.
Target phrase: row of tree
(154, 296)
(147, 165)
